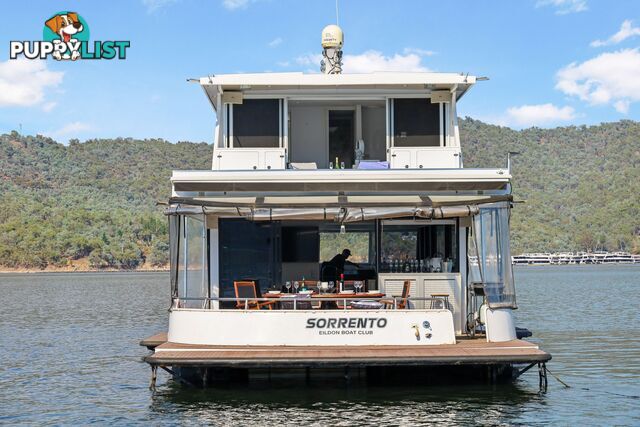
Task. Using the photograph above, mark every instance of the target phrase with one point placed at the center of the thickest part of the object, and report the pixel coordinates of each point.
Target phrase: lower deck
(466, 351)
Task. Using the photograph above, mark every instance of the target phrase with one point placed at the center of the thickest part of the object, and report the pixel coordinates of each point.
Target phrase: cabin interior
(411, 131)
(214, 252)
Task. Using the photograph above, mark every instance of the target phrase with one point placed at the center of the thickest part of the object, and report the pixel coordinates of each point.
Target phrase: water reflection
(355, 404)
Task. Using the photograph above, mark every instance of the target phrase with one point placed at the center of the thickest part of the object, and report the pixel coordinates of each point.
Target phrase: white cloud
(626, 30)
(49, 106)
(609, 78)
(372, 60)
(283, 63)
(235, 4)
(275, 42)
(538, 115)
(418, 51)
(564, 7)
(154, 5)
(23, 82)
(70, 129)
(368, 62)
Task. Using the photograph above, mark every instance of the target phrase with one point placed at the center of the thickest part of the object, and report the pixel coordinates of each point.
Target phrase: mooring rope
(559, 380)
(630, 396)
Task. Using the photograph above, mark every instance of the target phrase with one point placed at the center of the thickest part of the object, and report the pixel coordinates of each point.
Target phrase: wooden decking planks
(154, 340)
(466, 351)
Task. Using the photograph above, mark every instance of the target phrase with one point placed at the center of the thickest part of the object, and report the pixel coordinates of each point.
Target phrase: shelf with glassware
(414, 246)
(427, 253)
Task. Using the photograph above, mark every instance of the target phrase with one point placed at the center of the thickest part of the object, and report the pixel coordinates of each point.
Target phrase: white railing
(389, 303)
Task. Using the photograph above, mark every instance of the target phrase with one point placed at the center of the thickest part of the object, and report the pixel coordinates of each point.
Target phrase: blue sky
(550, 62)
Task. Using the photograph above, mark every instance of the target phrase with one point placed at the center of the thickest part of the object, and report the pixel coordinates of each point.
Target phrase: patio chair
(403, 303)
(247, 290)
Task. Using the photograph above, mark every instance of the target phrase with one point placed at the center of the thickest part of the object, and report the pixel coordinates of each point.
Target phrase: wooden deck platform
(465, 352)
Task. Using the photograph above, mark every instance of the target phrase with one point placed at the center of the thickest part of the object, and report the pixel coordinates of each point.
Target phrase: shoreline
(7, 270)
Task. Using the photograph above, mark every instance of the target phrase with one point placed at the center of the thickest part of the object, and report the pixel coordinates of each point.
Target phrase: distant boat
(532, 259)
(572, 258)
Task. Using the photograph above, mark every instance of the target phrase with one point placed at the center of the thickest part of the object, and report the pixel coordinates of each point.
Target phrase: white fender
(499, 324)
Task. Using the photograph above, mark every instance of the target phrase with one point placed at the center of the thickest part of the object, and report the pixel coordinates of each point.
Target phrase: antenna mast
(332, 41)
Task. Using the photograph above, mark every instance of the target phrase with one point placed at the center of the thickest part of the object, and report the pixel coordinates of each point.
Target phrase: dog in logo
(66, 26)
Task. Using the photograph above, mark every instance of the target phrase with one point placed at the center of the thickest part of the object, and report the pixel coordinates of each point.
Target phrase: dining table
(328, 301)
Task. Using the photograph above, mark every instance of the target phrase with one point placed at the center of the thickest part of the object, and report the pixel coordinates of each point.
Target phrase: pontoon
(305, 166)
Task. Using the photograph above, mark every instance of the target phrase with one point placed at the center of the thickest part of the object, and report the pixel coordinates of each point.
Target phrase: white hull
(311, 328)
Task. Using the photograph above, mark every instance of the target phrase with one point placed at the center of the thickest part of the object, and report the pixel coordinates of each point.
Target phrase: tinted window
(255, 123)
(300, 244)
(248, 251)
(416, 123)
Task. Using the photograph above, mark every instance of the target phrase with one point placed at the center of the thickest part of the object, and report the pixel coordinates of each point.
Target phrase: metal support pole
(542, 374)
(347, 374)
(154, 376)
(205, 377)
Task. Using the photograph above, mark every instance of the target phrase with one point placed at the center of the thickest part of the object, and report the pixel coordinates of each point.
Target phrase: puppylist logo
(66, 37)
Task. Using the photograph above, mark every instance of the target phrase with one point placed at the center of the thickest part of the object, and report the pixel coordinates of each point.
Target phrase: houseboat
(338, 230)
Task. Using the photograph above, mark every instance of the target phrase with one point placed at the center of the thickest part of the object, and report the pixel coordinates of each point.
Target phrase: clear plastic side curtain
(491, 244)
(189, 265)
(174, 250)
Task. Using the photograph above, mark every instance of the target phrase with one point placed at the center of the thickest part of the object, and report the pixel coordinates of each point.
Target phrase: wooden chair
(404, 298)
(247, 290)
(309, 284)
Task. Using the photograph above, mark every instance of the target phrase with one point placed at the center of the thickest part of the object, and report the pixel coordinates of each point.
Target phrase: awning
(341, 215)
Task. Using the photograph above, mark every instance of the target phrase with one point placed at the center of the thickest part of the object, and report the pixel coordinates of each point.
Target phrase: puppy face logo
(68, 28)
(65, 36)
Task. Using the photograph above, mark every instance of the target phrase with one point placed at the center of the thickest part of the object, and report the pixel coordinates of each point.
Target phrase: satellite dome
(332, 37)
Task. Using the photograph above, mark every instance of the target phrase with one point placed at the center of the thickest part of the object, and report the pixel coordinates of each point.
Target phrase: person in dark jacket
(340, 260)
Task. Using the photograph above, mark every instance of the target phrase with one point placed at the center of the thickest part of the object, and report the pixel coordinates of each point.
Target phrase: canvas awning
(341, 215)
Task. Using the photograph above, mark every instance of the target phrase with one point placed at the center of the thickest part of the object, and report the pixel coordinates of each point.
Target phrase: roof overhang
(300, 83)
(341, 188)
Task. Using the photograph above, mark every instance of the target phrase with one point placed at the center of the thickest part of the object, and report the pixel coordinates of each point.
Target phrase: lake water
(69, 355)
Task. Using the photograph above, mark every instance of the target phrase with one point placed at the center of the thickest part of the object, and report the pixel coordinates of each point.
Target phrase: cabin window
(248, 251)
(416, 123)
(358, 238)
(418, 247)
(192, 262)
(256, 123)
(300, 244)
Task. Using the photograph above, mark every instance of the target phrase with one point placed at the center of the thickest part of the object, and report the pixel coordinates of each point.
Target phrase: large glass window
(416, 123)
(359, 240)
(415, 247)
(256, 123)
(248, 251)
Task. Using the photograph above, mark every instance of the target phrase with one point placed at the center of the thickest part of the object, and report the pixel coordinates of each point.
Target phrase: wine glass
(358, 286)
(296, 285)
(331, 286)
(288, 286)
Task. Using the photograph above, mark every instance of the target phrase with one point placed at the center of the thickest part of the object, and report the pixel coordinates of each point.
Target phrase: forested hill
(92, 204)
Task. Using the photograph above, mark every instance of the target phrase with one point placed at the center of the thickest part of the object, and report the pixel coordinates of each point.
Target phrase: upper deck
(323, 121)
